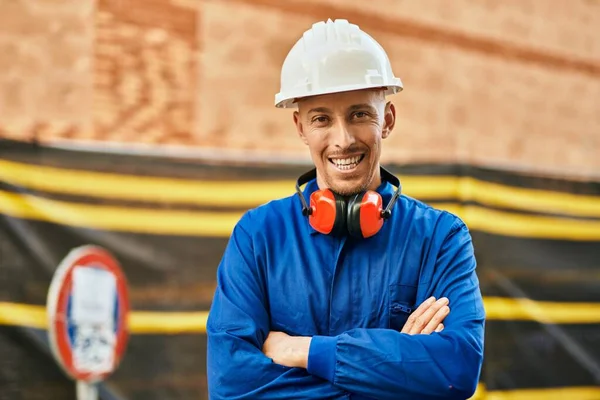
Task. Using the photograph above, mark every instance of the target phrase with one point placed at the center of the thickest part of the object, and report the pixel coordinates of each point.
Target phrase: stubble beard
(345, 191)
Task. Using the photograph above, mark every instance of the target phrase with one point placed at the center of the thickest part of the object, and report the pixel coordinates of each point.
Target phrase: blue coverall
(353, 297)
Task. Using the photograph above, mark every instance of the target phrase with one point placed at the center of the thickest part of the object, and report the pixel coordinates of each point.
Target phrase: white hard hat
(334, 56)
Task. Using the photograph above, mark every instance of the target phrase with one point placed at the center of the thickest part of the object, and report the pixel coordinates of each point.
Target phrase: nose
(341, 136)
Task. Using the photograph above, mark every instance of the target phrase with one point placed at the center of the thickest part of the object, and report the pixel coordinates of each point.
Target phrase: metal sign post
(86, 391)
(87, 308)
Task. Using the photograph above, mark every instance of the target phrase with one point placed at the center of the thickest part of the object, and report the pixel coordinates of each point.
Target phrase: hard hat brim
(290, 100)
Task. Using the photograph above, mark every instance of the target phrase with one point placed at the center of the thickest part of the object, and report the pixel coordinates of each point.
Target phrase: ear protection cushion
(324, 211)
(371, 220)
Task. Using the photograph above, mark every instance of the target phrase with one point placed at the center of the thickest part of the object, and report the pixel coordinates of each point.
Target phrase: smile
(347, 164)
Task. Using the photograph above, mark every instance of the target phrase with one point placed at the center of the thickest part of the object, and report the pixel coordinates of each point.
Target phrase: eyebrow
(353, 107)
(320, 110)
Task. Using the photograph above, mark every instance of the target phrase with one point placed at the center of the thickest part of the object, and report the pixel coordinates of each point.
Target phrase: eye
(320, 120)
(360, 115)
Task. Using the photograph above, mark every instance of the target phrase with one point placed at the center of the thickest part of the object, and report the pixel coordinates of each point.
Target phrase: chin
(349, 179)
(347, 188)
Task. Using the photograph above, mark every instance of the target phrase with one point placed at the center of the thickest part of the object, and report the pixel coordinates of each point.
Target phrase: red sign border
(58, 296)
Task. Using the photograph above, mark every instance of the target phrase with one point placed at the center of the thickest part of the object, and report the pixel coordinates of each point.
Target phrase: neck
(376, 181)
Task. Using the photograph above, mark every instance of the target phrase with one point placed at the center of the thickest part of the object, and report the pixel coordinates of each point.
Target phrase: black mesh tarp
(552, 344)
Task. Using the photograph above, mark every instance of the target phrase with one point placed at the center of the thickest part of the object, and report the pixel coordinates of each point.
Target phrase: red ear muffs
(361, 216)
(365, 212)
(328, 212)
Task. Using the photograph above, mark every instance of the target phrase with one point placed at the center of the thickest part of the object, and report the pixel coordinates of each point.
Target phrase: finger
(416, 314)
(439, 328)
(436, 320)
(422, 321)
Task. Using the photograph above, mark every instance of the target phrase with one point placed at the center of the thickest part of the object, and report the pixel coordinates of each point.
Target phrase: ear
(389, 120)
(299, 127)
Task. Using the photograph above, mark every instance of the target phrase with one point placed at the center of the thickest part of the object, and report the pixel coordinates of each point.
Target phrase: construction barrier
(167, 221)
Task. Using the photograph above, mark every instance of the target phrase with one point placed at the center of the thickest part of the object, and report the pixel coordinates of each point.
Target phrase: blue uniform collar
(385, 189)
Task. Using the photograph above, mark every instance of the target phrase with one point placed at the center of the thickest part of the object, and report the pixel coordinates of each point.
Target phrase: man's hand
(428, 317)
(286, 350)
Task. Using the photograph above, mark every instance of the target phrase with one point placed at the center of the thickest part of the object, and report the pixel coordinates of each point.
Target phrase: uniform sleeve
(237, 327)
(386, 364)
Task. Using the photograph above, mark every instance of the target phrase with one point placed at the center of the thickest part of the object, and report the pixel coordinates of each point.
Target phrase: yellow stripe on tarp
(523, 225)
(130, 187)
(24, 315)
(468, 189)
(168, 322)
(562, 393)
(220, 224)
(547, 312)
(176, 322)
(251, 193)
(139, 220)
(479, 392)
(140, 322)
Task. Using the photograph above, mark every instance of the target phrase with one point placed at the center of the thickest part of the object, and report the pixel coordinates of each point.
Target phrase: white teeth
(346, 163)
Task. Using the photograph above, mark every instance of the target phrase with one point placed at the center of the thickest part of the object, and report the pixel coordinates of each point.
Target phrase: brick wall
(146, 72)
(513, 83)
(45, 68)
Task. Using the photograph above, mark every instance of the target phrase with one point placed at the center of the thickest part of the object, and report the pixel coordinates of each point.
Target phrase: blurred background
(147, 127)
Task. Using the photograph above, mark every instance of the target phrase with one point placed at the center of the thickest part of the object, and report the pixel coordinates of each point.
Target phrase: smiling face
(343, 132)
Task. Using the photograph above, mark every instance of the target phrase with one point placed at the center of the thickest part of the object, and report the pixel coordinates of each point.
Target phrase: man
(343, 296)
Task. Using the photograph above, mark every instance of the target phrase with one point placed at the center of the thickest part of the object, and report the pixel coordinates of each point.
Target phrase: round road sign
(87, 309)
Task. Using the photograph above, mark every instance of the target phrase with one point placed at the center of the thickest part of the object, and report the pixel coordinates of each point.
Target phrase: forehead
(341, 99)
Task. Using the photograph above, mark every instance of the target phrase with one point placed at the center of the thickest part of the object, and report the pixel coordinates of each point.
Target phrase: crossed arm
(425, 360)
(292, 351)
